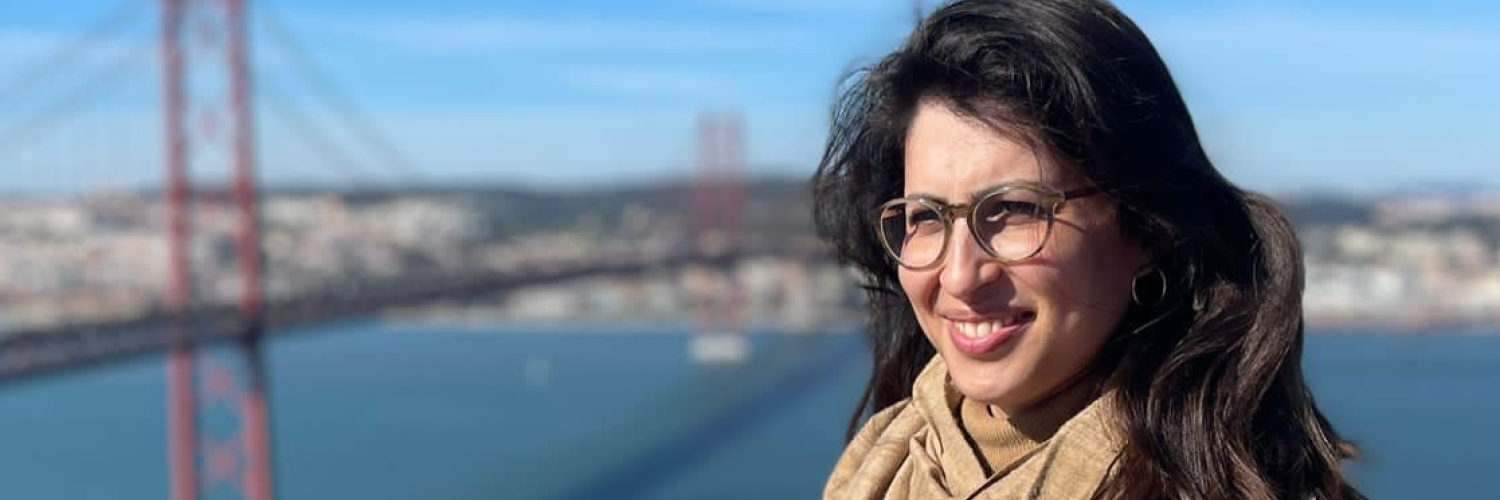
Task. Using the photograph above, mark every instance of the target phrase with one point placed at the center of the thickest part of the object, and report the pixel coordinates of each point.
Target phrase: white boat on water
(719, 348)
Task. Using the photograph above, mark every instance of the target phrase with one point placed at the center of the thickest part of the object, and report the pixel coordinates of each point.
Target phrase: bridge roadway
(26, 353)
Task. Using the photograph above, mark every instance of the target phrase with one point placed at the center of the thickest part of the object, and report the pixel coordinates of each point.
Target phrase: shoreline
(608, 325)
(601, 325)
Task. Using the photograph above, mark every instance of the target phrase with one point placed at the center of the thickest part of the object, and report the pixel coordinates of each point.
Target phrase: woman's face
(1012, 334)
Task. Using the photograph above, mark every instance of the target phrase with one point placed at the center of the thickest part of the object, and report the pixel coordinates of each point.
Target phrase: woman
(1067, 300)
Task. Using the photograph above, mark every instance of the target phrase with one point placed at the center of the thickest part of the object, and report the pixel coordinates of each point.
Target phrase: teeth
(977, 330)
(983, 329)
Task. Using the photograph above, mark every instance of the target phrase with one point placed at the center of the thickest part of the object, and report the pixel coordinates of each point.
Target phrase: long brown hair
(1212, 397)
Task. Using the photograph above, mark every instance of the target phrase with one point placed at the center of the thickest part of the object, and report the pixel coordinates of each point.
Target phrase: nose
(967, 268)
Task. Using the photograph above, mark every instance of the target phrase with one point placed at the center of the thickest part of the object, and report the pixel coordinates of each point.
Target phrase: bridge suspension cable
(103, 83)
(312, 135)
(327, 91)
(109, 27)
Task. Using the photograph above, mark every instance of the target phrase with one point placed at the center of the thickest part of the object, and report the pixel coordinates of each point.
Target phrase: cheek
(918, 288)
(1082, 282)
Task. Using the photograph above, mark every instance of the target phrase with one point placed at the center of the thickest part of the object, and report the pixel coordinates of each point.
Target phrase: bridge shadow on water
(666, 437)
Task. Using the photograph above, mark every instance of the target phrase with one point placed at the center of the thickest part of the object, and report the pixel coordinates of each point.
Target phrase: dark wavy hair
(1210, 385)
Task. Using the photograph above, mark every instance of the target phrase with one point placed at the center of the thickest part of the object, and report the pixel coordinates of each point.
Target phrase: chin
(986, 381)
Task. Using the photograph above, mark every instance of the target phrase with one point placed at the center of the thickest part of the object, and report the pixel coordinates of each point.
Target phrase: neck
(1003, 437)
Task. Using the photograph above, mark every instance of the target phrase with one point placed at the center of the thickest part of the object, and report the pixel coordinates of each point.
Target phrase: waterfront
(376, 411)
(1420, 261)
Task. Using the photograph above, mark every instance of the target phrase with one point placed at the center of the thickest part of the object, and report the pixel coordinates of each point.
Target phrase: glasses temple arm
(1081, 192)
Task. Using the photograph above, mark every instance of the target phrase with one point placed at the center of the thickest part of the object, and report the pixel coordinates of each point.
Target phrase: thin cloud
(637, 82)
(22, 44)
(814, 7)
(466, 35)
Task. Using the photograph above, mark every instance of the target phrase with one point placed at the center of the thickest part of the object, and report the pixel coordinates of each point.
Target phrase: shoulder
(877, 450)
(879, 423)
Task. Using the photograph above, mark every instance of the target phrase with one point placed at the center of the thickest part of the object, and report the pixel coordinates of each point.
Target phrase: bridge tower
(718, 203)
(207, 115)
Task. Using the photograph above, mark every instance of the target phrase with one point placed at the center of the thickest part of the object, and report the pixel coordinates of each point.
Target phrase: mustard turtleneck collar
(1001, 441)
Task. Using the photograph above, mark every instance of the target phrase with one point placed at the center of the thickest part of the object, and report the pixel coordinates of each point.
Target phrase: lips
(976, 335)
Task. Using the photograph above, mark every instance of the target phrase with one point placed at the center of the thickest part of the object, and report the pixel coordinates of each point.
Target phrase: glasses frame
(1050, 197)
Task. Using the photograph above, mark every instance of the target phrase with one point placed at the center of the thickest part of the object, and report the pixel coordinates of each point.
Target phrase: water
(1422, 409)
(377, 412)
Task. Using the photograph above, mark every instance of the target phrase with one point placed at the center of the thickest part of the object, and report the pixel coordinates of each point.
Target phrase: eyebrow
(975, 194)
(927, 196)
(972, 194)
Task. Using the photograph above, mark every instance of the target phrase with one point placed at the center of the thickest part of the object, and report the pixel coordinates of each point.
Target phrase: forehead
(952, 155)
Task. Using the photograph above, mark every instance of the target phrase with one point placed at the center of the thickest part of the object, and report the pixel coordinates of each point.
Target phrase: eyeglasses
(1011, 222)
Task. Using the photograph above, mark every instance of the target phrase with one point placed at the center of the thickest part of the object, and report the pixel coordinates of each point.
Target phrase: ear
(1141, 251)
(1147, 253)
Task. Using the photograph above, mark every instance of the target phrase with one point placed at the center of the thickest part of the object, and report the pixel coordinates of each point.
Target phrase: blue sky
(1344, 95)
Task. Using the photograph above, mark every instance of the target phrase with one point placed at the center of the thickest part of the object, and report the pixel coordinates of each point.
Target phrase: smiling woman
(1067, 299)
(1067, 276)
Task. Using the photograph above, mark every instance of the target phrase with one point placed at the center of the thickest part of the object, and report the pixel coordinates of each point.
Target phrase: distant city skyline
(1352, 96)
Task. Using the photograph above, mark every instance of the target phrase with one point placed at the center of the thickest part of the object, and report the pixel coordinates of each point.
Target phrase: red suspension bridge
(201, 51)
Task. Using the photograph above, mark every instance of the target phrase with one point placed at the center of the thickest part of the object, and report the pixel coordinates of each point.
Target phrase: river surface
(370, 411)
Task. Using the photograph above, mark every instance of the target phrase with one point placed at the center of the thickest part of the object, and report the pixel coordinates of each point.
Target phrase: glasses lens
(1013, 223)
(913, 232)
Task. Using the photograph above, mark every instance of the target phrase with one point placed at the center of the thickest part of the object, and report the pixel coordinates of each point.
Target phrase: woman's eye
(1011, 210)
(919, 217)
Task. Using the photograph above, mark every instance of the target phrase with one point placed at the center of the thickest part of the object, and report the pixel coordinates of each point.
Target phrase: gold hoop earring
(1135, 285)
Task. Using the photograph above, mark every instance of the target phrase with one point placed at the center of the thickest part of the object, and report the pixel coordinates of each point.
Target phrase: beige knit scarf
(916, 450)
